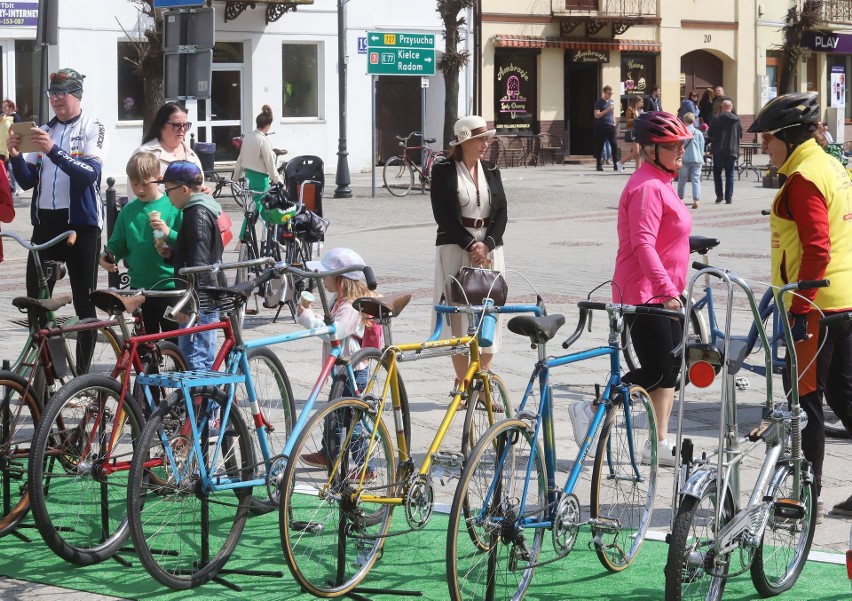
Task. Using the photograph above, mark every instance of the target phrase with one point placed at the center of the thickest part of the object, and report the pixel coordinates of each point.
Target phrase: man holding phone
(63, 168)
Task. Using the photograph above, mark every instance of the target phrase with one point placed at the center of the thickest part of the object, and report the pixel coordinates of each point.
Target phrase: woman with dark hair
(166, 137)
(705, 108)
(469, 206)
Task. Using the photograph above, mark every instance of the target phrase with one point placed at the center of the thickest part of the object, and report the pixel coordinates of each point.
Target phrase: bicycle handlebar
(811, 284)
(38, 247)
(831, 320)
(596, 306)
(318, 275)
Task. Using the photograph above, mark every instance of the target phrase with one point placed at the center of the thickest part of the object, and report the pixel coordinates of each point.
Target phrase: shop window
(516, 91)
(131, 87)
(839, 94)
(300, 80)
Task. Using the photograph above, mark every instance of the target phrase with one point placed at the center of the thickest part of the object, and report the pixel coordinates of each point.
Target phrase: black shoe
(718, 200)
(727, 202)
(599, 168)
(843, 509)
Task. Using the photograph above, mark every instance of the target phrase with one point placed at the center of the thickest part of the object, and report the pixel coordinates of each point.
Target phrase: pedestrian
(352, 329)
(7, 204)
(812, 240)
(257, 158)
(651, 268)
(705, 108)
(693, 161)
(198, 243)
(469, 206)
(605, 129)
(166, 137)
(634, 109)
(724, 134)
(654, 104)
(718, 98)
(65, 176)
(8, 117)
(688, 105)
(136, 241)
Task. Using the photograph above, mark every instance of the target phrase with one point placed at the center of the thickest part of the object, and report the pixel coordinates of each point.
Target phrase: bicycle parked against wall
(399, 170)
(714, 536)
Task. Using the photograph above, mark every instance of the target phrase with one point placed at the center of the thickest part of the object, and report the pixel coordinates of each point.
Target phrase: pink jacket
(653, 239)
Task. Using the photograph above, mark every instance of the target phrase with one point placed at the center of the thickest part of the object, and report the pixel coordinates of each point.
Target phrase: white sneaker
(620, 166)
(665, 453)
(581, 416)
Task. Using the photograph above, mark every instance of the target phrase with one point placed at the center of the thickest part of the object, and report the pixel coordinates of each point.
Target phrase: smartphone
(110, 258)
(22, 128)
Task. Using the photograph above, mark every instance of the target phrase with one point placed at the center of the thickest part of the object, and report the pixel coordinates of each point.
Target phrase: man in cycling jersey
(64, 173)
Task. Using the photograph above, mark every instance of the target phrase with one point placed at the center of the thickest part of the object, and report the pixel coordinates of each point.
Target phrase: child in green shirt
(133, 239)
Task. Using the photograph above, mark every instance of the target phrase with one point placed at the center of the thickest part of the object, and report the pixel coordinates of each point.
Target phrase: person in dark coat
(724, 134)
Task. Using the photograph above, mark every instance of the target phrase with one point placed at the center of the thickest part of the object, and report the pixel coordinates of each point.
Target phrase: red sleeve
(7, 204)
(810, 212)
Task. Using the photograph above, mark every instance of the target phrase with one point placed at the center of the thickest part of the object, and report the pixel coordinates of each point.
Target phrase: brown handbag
(471, 285)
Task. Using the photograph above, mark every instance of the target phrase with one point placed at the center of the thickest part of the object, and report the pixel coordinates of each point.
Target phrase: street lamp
(342, 179)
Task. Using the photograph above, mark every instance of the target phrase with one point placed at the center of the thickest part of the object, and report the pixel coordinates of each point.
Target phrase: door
(219, 117)
(398, 113)
(701, 70)
(581, 91)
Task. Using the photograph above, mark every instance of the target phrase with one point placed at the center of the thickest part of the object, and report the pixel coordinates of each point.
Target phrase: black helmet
(800, 108)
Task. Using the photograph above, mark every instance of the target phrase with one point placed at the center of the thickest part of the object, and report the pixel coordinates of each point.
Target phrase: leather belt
(477, 223)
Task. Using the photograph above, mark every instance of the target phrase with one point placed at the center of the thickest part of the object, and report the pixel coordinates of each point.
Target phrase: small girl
(349, 324)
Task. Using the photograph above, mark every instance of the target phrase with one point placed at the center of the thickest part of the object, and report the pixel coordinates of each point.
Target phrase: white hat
(338, 258)
(470, 127)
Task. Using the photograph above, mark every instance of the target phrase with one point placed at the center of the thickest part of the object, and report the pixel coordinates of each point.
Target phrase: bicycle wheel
(275, 397)
(182, 533)
(623, 486)
(367, 359)
(788, 535)
(168, 358)
(79, 510)
(489, 553)
(693, 571)
(107, 349)
(19, 413)
(331, 531)
(476, 420)
(248, 252)
(398, 176)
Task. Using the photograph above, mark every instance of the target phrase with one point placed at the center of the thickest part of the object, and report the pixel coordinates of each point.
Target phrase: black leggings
(152, 315)
(82, 263)
(654, 338)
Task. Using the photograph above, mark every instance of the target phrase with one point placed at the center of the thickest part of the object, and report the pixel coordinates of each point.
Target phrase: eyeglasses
(675, 147)
(178, 126)
(173, 188)
(60, 95)
(772, 132)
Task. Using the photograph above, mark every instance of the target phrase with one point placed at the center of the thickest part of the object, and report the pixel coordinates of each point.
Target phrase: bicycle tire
(786, 542)
(19, 414)
(247, 252)
(79, 511)
(398, 176)
(632, 360)
(106, 351)
(476, 418)
(165, 513)
(169, 359)
(315, 502)
(477, 556)
(623, 487)
(687, 576)
(371, 356)
(275, 397)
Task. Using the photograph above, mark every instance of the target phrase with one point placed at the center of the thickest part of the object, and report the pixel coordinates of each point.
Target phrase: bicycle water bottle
(489, 325)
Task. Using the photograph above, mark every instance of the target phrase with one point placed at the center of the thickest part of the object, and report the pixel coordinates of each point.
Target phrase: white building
(289, 63)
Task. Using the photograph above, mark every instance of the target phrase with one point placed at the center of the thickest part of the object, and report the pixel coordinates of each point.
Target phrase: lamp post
(342, 179)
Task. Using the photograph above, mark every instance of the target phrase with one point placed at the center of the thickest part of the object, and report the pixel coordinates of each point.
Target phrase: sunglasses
(675, 147)
(177, 126)
(60, 95)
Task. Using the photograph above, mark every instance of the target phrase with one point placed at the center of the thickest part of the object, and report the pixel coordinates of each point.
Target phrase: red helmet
(658, 127)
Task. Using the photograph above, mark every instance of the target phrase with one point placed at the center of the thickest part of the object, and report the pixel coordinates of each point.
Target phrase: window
(299, 80)
(131, 87)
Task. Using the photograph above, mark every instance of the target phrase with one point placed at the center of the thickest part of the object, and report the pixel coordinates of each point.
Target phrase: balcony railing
(836, 11)
(612, 8)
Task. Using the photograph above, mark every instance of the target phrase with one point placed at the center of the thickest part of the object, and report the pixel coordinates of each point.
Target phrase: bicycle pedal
(760, 431)
(789, 509)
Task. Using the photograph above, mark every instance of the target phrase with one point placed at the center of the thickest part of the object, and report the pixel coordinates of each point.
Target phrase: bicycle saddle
(25, 303)
(382, 306)
(429, 140)
(539, 329)
(113, 303)
(701, 245)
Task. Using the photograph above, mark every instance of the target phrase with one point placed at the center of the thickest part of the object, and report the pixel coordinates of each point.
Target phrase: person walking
(469, 206)
(688, 105)
(605, 129)
(257, 158)
(705, 108)
(7, 118)
(165, 138)
(693, 160)
(651, 268)
(724, 134)
(65, 176)
(634, 109)
(812, 240)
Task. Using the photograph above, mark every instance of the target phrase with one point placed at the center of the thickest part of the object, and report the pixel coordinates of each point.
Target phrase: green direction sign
(380, 39)
(401, 61)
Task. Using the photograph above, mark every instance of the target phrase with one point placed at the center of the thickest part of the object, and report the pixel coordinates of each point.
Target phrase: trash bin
(206, 152)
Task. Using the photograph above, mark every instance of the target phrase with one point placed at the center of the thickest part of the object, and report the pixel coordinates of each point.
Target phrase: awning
(531, 41)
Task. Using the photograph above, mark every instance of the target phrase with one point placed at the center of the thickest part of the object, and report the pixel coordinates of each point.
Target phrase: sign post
(188, 39)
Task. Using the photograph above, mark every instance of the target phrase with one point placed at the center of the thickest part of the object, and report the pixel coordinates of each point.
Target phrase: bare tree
(801, 17)
(147, 59)
(452, 61)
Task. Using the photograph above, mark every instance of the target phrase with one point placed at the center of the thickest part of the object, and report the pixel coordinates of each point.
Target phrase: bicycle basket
(309, 226)
(223, 300)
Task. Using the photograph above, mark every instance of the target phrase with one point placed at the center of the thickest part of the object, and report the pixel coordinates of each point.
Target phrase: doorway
(581, 91)
(219, 117)
(398, 112)
(701, 70)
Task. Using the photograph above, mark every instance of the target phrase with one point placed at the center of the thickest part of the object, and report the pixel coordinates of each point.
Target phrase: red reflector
(701, 374)
(849, 563)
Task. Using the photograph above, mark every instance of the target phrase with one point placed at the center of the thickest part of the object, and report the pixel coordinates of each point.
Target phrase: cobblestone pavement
(562, 239)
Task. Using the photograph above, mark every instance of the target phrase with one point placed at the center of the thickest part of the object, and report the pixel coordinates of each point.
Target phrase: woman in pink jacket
(653, 259)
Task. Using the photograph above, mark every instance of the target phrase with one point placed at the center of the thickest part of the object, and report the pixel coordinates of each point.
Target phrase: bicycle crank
(419, 503)
(566, 524)
(274, 477)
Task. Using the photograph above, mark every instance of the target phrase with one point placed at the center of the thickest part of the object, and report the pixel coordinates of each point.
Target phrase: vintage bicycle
(398, 173)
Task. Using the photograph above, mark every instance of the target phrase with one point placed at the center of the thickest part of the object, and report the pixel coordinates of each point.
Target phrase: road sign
(177, 3)
(401, 61)
(379, 39)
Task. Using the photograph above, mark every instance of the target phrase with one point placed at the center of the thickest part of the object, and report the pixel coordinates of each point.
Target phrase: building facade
(544, 62)
(265, 53)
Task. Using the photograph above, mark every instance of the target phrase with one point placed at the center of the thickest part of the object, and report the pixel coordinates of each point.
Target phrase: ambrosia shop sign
(590, 56)
(514, 91)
